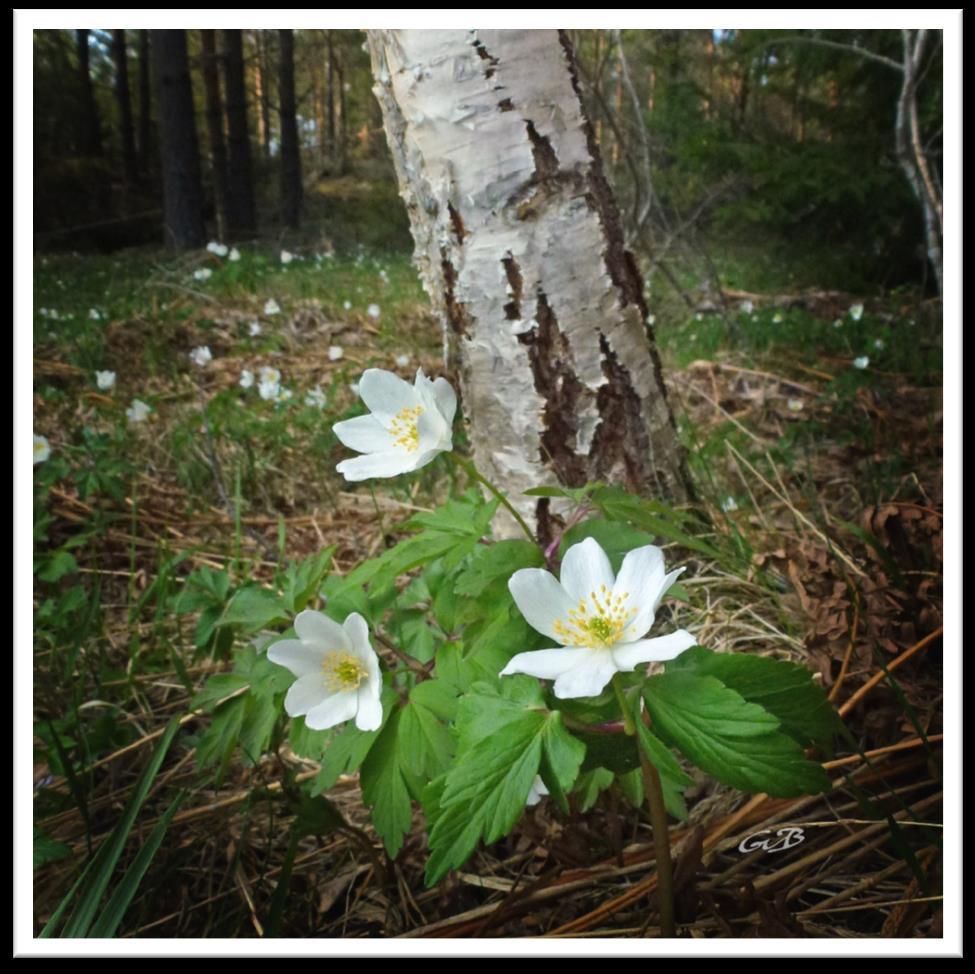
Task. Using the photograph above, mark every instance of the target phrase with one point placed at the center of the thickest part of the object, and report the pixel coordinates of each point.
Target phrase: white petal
(385, 393)
(585, 570)
(377, 465)
(365, 434)
(357, 631)
(299, 657)
(369, 714)
(446, 399)
(317, 629)
(541, 600)
(333, 710)
(629, 655)
(669, 580)
(641, 575)
(589, 678)
(433, 433)
(306, 693)
(546, 664)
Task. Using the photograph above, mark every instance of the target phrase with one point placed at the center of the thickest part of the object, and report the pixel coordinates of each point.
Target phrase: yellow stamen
(343, 671)
(597, 622)
(403, 428)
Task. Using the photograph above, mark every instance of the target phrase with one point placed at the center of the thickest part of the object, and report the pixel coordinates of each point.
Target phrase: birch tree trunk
(519, 245)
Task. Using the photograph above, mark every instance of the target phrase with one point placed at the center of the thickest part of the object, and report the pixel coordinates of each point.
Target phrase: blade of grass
(123, 894)
(99, 871)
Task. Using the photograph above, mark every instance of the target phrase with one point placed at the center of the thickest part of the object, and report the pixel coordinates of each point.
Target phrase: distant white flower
(269, 374)
(283, 395)
(407, 425)
(651, 319)
(862, 362)
(217, 248)
(777, 318)
(598, 620)
(234, 255)
(42, 449)
(246, 379)
(337, 669)
(287, 257)
(747, 307)
(201, 355)
(856, 311)
(271, 307)
(203, 274)
(138, 411)
(879, 344)
(402, 361)
(795, 405)
(347, 305)
(537, 791)
(105, 380)
(269, 391)
(837, 322)
(315, 397)
(335, 352)
(95, 314)
(373, 311)
(699, 317)
(728, 505)
(254, 328)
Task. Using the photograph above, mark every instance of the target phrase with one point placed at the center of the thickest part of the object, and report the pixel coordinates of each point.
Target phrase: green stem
(661, 844)
(658, 818)
(477, 476)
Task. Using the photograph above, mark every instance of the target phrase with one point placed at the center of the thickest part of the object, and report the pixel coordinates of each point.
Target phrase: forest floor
(814, 433)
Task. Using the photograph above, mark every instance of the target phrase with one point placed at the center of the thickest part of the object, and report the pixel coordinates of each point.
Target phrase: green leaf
(425, 742)
(387, 785)
(496, 562)
(468, 516)
(63, 563)
(661, 521)
(589, 786)
(303, 581)
(673, 781)
(254, 608)
(47, 849)
(349, 748)
(737, 742)
(503, 740)
(786, 690)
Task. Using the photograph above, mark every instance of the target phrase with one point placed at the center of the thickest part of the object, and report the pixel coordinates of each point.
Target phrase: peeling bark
(520, 246)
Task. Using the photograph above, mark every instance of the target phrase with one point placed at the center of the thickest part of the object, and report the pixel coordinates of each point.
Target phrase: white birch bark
(518, 242)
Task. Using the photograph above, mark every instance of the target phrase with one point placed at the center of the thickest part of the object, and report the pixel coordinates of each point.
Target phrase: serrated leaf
(387, 784)
(589, 786)
(254, 608)
(737, 742)
(504, 739)
(786, 690)
(498, 561)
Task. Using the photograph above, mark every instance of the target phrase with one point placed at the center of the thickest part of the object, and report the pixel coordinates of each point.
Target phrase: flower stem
(477, 476)
(661, 844)
(653, 792)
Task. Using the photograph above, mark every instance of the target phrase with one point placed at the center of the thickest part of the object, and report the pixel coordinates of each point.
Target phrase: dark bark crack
(512, 310)
(457, 316)
(554, 375)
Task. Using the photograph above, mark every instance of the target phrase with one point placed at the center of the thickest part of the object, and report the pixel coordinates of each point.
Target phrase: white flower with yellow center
(407, 425)
(42, 449)
(599, 621)
(105, 380)
(337, 669)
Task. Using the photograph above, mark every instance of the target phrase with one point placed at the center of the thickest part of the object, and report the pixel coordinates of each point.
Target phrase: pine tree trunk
(241, 217)
(121, 56)
(182, 189)
(90, 142)
(214, 117)
(291, 190)
(519, 244)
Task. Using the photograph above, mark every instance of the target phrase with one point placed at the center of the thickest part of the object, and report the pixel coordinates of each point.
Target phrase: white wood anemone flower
(598, 621)
(406, 427)
(337, 669)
